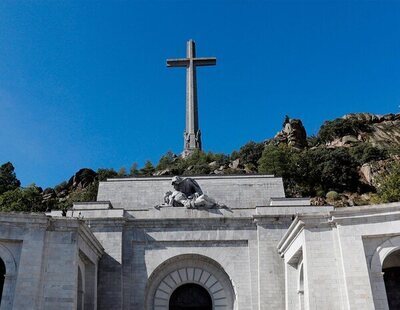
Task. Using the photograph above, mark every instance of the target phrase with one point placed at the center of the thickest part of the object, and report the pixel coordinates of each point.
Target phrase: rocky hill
(379, 130)
(351, 161)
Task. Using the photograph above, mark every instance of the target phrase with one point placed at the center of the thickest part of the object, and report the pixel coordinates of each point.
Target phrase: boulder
(370, 172)
(235, 164)
(163, 172)
(213, 164)
(349, 139)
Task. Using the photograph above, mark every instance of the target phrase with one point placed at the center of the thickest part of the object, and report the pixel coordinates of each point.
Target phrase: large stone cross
(192, 136)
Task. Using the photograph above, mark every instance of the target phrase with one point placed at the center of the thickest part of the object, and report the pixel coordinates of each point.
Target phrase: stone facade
(260, 251)
(339, 258)
(43, 258)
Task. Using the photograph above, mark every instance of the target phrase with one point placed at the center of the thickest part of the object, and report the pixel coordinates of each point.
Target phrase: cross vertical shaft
(192, 134)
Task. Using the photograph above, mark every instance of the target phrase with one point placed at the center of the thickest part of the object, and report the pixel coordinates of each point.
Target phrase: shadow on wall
(109, 283)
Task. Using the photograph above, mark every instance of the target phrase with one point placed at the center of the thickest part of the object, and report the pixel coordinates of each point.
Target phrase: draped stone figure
(187, 193)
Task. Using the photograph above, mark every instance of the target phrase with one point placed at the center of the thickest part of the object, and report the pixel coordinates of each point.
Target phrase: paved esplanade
(192, 135)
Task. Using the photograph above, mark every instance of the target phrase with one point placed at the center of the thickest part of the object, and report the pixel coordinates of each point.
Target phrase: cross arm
(209, 61)
(180, 62)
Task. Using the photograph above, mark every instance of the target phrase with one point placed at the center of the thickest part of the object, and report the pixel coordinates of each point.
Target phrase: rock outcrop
(293, 134)
(383, 130)
(370, 172)
(81, 179)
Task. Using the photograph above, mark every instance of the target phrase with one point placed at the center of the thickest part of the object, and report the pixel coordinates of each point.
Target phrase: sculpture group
(187, 193)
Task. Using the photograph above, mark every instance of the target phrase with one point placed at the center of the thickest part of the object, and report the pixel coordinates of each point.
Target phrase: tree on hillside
(389, 184)
(27, 199)
(326, 169)
(166, 161)
(148, 169)
(276, 160)
(122, 172)
(250, 153)
(103, 174)
(8, 179)
(133, 171)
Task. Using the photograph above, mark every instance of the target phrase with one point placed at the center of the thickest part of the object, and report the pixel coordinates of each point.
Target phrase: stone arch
(377, 282)
(189, 268)
(391, 277)
(10, 276)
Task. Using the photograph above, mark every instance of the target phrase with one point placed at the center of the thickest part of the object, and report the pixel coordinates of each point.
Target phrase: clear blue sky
(84, 84)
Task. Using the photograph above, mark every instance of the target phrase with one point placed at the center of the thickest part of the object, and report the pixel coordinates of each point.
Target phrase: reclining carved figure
(187, 194)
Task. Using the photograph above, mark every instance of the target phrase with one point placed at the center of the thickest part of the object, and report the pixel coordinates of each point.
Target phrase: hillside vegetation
(353, 160)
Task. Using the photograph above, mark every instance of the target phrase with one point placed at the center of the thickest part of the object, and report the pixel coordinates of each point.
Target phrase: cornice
(87, 235)
(345, 216)
(22, 219)
(293, 231)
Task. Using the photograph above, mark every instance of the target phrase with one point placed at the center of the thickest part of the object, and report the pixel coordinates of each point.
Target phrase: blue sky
(84, 84)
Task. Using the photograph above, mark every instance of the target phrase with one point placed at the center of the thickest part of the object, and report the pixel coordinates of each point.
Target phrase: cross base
(192, 142)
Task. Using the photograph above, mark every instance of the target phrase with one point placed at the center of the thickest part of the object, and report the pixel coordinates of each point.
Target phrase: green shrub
(365, 153)
(332, 195)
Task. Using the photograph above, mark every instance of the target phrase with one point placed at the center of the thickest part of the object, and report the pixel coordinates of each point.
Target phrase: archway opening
(2, 277)
(391, 276)
(190, 297)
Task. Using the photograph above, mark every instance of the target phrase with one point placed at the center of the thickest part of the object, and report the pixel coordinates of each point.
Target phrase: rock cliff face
(370, 172)
(79, 182)
(379, 130)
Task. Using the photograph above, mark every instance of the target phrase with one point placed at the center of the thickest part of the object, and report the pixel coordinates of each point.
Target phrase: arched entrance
(190, 296)
(391, 277)
(2, 276)
(175, 282)
(8, 270)
(385, 274)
